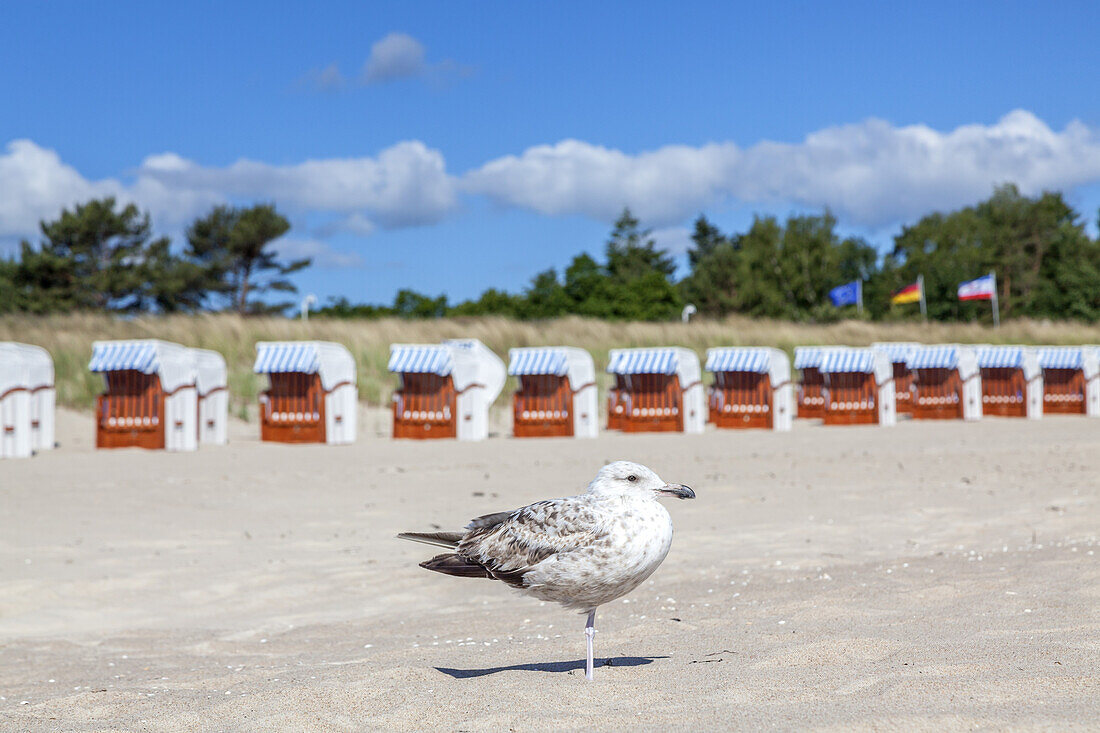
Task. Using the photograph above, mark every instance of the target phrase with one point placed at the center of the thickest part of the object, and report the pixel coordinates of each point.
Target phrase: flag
(981, 289)
(908, 294)
(846, 294)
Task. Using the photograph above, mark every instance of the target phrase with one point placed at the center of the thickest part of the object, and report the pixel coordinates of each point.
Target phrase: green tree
(763, 289)
(234, 248)
(341, 307)
(1026, 241)
(632, 252)
(545, 297)
(492, 302)
(805, 262)
(945, 250)
(411, 304)
(713, 285)
(94, 257)
(1069, 280)
(176, 284)
(45, 280)
(706, 238)
(587, 286)
(634, 283)
(814, 259)
(210, 247)
(650, 297)
(1022, 234)
(10, 295)
(773, 270)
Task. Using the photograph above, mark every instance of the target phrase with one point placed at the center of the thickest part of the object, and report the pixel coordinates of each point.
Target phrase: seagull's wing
(509, 544)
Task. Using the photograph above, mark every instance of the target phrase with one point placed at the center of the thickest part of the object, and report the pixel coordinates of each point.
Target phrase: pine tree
(705, 239)
(632, 252)
(545, 297)
(233, 246)
(95, 257)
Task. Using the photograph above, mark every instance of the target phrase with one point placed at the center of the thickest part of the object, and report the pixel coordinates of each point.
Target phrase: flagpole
(923, 306)
(996, 308)
(859, 296)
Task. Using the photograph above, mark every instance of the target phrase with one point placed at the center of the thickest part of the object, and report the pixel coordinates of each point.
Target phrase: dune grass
(69, 339)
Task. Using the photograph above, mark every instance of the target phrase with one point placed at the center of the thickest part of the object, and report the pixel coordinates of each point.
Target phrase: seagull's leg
(589, 634)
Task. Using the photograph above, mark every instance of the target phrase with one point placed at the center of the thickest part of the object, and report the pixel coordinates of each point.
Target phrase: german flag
(908, 294)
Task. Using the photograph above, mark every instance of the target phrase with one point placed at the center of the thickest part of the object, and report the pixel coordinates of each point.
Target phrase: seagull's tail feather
(451, 564)
(448, 540)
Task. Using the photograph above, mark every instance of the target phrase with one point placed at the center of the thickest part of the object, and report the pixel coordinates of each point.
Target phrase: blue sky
(453, 147)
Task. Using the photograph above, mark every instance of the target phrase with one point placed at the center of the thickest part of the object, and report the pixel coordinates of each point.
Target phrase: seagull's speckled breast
(629, 537)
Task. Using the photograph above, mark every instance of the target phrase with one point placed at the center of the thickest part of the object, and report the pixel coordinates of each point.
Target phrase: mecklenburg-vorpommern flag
(908, 294)
(846, 294)
(979, 289)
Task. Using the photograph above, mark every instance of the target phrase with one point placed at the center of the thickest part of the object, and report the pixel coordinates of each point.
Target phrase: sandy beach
(924, 577)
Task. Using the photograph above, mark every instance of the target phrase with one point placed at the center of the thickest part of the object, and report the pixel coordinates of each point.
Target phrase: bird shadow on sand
(461, 674)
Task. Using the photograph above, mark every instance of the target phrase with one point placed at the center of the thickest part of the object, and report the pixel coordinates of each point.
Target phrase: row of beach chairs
(946, 381)
(164, 395)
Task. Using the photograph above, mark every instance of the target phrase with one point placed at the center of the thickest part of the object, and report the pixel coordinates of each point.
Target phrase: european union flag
(847, 294)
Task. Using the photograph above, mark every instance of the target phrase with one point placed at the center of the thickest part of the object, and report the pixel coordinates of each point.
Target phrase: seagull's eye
(631, 477)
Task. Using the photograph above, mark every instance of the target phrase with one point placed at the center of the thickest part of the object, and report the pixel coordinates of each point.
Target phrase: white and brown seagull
(580, 551)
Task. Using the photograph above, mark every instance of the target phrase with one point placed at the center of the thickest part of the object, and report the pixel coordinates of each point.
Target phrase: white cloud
(406, 184)
(35, 184)
(397, 56)
(577, 177)
(320, 252)
(400, 56)
(328, 79)
(871, 173)
(355, 223)
(676, 240)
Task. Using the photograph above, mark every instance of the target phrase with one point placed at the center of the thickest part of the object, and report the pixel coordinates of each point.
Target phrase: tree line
(1046, 264)
(99, 256)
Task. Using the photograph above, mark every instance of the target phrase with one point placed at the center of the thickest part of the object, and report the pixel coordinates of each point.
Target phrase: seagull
(580, 551)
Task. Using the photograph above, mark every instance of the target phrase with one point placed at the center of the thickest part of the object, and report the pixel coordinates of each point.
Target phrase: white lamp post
(306, 303)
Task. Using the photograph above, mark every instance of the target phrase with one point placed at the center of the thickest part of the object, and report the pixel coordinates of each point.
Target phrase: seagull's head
(625, 478)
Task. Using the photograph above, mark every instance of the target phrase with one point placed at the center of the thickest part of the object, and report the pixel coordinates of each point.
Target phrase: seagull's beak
(678, 490)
